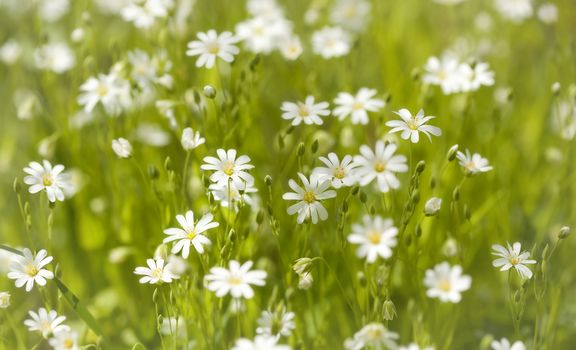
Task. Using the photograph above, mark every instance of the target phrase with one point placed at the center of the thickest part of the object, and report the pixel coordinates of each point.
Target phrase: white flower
(291, 47)
(276, 324)
(267, 9)
(122, 148)
(339, 173)
(57, 57)
(229, 168)
(372, 336)
(46, 322)
(65, 340)
(28, 269)
(307, 112)
(380, 165)
(156, 272)
(411, 126)
(6, 258)
(146, 70)
(48, 178)
(235, 280)
(211, 45)
(548, 13)
(309, 198)
(191, 233)
(53, 10)
(261, 35)
(414, 346)
(473, 164)
(513, 257)
(432, 206)
(477, 76)
(305, 280)
(152, 134)
(191, 139)
(376, 237)
(504, 344)
(514, 10)
(226, 194)
(357, 107)
(351, 14)
(10, 52)
(446, 282)
(4, 300)
(331, 42)
(110, 90)
(259, 343)
(448, 2)
(143, 13)
(447, 73)
(174, 326)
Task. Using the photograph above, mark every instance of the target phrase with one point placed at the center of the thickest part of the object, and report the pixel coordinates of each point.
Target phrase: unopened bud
(389, 310)
(363, 197)
(420, 167)
(451, 155)
(209, 91)
(456, 194)
(315, 146)
(301, 149)
(564, 232)
(432, 206)
(268, 180)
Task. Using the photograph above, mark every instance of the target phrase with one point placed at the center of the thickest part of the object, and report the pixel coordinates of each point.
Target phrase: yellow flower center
(213, 47)
(374, 237)
(191, 234)
(379, 166)
(339, 173)
(68, 343)
(102, 90)
(235, 281)
(445, 285)
(47, 179)
(228, 168)
(309, 197)
(412, 124)
(374, 333)
(31, 270)
(358, 106)
(157, 273)
(514, 260)
(303, 110)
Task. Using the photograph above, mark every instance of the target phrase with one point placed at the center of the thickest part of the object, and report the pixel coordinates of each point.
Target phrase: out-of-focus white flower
(4, 300)
(46, 322)
(351, 14)
(175, 326)
(473, 163)
(191, 233)
(513, 257)
(261, 35)
(414, 346)
(110, 90)
(144, 13)
(432, 206)
(448, 2)
(156, 272)
(229, 168)
(290, 47)
(411, 126)
(211, 45)
(57, 57)
(376, 237)
(122, 148)
(450, 248)
(548, 13)
(483, 21)
(563, 118)
(446, 282)
(148, 70)
(276, 324)
(77, 35)
(339, 173)
(514, 10)
(191, 139)
(357, 107)
(504, 344)
(231, 194)
(260, 342)
(267, 9)
(477, 76)
(309, 198)
(307, 112)
(5, 260)
(381, 165)
(53, 10)
(372, 336)
(10, 52)
(64, 340)
(330, 42)
(50, 179)
(236, 280)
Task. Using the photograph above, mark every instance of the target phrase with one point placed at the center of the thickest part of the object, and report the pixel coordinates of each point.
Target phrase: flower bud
(268, 180)
(389, 310)
(564, 232)
(4, 300)
(302, 266)
(451, 155)
(420, 167)
(122, 148)
(432, 206)
(301, 149)
(209, 91)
